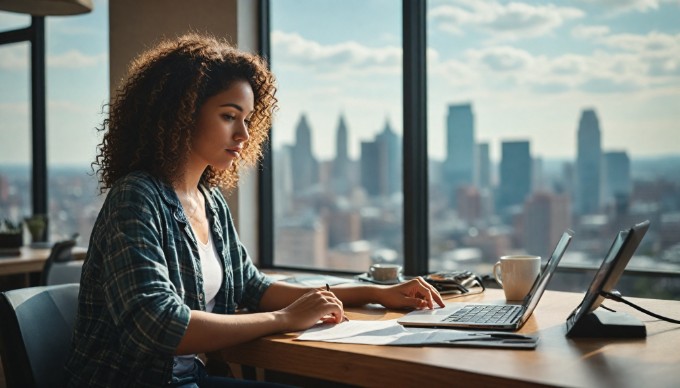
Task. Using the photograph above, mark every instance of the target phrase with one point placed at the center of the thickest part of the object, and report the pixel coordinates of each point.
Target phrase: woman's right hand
(316, 305)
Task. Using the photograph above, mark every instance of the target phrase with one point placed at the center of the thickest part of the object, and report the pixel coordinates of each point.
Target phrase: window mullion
(415, 185)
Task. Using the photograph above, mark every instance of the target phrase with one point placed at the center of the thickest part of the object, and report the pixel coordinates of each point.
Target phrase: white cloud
(293, 50)
(588, 32)
(75, 59)
(654, 54)
(15, 56)
(618, 6)
(511, 21)
(19, 109)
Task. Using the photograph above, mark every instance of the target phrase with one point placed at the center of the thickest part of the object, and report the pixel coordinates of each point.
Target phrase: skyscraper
(588, 164)
(340, 179)
(459, 166)
(483, 180)
(381, 163)
(617, 176)
(305, 166)
(390, 159)
(515, 177)
(546, 216)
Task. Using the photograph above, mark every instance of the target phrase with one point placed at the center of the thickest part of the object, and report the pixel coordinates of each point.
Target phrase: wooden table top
(557, 361)
(31, 260)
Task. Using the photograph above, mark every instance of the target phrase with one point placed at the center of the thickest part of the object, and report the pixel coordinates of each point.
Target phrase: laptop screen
(541, 282)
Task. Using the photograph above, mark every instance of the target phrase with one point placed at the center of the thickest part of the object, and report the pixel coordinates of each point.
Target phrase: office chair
(36, 325)
(60, 267)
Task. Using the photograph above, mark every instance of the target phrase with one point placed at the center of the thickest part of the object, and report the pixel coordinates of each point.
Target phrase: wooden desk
(557, 361)
(31, 260)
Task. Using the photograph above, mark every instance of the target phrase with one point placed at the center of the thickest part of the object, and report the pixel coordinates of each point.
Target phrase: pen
(344, 317)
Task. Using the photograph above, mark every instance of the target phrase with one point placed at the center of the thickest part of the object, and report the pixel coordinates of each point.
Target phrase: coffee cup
(385, 272)
(517, 274)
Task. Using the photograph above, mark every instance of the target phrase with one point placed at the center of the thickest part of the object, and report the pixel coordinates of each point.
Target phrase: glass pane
(551, 116)
(337, 137)
(13, 21)
(77, 89)
(15, 132)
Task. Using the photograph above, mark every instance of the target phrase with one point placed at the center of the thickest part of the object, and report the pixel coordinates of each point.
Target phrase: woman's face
(222, 126)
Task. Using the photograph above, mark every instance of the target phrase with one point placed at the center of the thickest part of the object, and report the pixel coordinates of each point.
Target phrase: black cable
(616, 296)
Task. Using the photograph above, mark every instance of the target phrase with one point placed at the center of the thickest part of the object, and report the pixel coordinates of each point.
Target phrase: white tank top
(211, 267)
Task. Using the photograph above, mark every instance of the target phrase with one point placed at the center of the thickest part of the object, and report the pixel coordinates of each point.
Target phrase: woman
(165, 271)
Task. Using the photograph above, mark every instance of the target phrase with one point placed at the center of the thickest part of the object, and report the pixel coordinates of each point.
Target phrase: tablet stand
(602, 323)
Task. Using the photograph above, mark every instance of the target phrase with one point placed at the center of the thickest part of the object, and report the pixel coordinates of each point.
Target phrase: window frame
(35, 35)
(415, 223)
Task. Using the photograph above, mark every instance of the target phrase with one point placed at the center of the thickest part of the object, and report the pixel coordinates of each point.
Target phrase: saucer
(368, 278)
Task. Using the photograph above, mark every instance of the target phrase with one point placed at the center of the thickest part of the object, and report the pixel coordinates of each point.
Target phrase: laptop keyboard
(488, 314)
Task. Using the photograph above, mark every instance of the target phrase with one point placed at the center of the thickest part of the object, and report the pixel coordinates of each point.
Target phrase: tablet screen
(607, 276)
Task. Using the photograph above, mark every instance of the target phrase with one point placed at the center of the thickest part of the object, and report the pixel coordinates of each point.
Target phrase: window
(336, 141)
(551, 116)
(15, 121)
(15, 116)
(76, 75)
(77, 89)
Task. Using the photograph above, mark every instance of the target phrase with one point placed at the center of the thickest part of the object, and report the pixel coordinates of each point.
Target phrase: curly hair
(153, 114)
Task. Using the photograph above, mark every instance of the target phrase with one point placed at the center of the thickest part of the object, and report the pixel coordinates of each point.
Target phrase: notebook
(491, 316)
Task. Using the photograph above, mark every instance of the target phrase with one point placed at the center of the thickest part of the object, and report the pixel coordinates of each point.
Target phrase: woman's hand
(415, 293)
(311, 307)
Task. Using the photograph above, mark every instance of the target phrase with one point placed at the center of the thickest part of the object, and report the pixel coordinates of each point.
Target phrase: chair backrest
(36, 326)
(60, 267)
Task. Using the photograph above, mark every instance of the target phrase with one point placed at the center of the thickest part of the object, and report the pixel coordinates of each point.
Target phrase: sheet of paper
(379, 333)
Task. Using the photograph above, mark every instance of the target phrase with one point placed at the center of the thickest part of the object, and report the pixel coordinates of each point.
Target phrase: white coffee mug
(385, 272)
(517, 274)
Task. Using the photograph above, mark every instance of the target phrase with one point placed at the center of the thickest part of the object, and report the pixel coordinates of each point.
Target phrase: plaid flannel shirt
(141, 278)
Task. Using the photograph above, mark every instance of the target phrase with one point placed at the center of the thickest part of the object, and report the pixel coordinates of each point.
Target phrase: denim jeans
(198, 377)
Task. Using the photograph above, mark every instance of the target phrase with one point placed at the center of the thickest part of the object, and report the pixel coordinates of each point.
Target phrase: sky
(77, 86)
(527, 67)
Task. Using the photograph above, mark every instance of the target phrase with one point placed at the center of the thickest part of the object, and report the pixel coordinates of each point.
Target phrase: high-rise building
(618, 185)
(302, 241)
(381, 163)
(459, 166)
(283, 181)
(546, 217)
(341, 179)
(305, 166)
(515, 174)
(370, 167)
(469, 203)
(483, 180)
(588, 164)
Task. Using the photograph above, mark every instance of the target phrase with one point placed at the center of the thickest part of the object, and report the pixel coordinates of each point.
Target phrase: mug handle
(497, 274)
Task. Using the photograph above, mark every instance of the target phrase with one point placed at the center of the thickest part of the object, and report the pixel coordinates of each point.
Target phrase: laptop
(488, 316)
(621, 251)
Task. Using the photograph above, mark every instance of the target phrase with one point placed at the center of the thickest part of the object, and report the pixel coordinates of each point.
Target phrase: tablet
(611, 269)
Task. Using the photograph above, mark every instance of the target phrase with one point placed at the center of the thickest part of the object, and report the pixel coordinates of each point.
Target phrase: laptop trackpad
(427, 315)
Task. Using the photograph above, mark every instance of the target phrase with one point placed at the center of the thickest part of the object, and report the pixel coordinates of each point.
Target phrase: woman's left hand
(415, 293)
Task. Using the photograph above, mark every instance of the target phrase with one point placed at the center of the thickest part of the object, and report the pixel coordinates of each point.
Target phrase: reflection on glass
(544, 117)
(337, 139)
